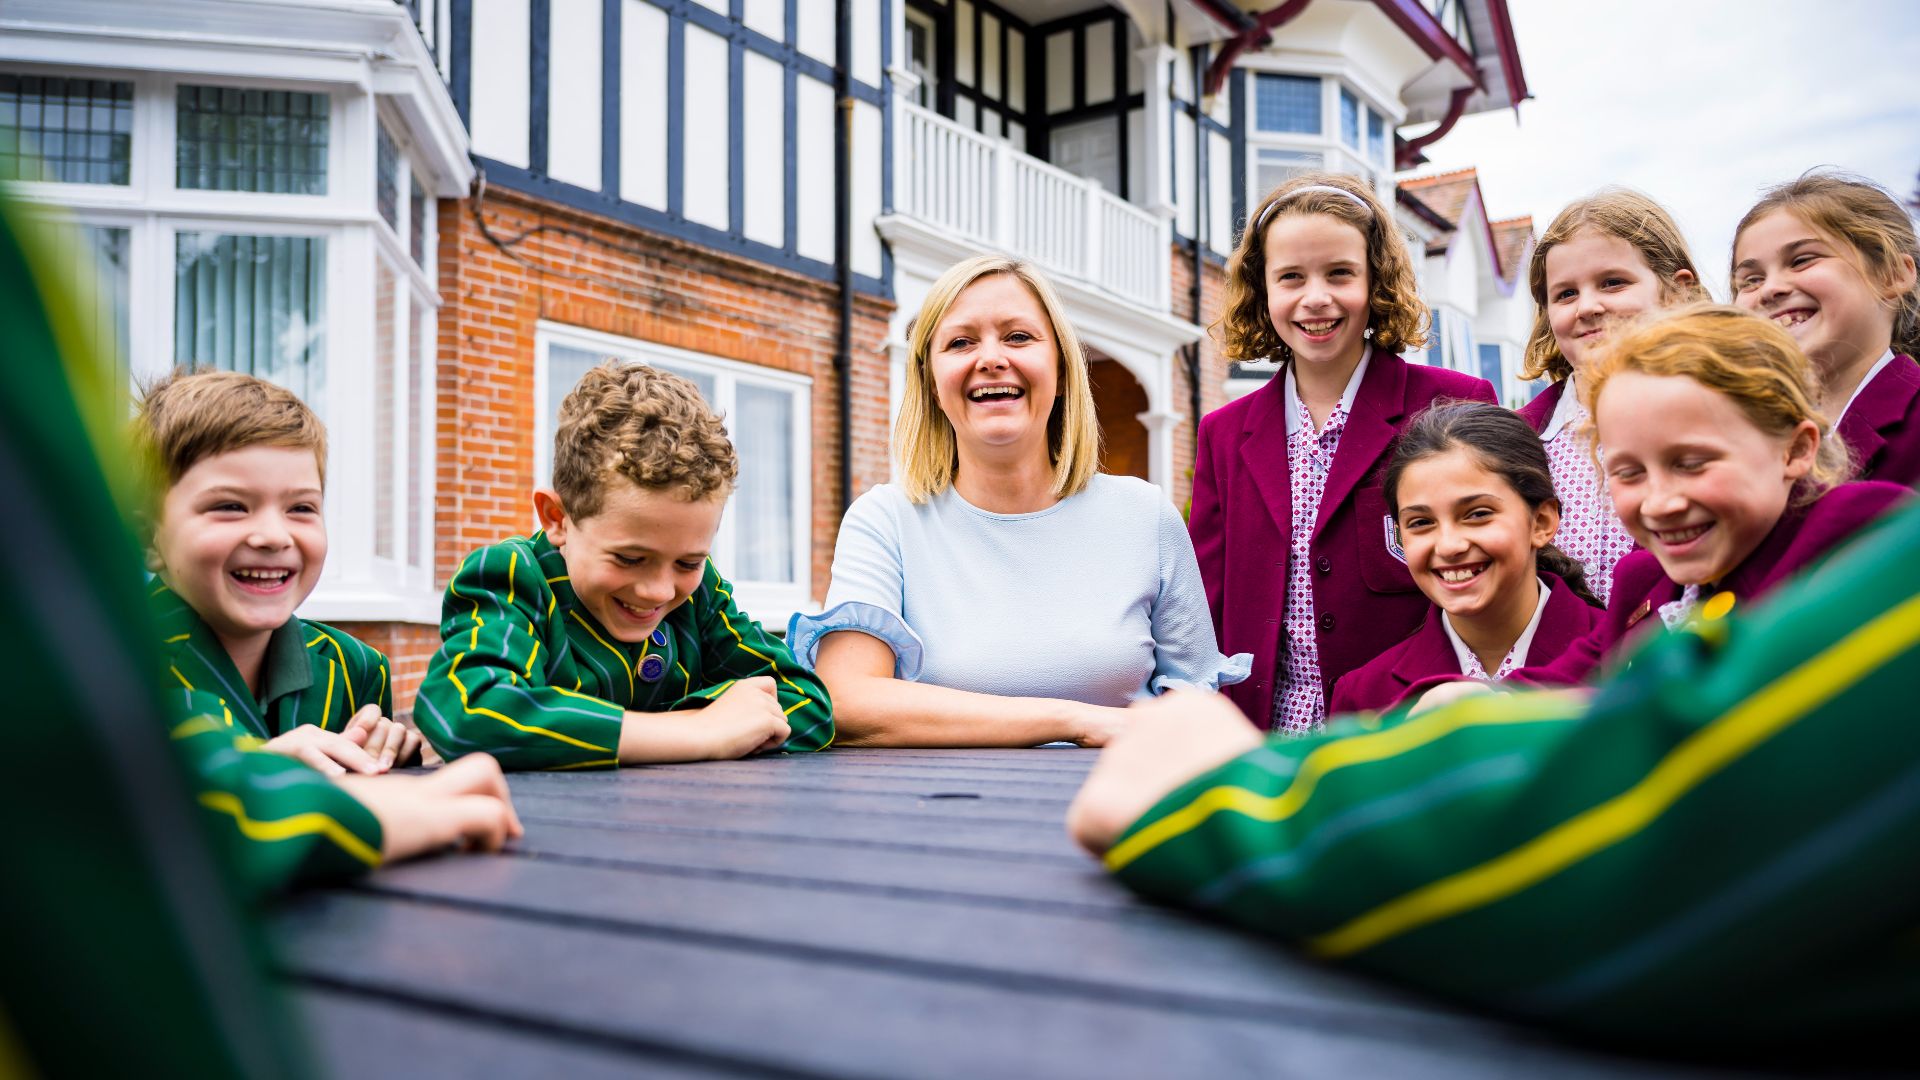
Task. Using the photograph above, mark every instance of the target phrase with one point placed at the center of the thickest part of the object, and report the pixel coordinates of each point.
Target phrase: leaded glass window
(66, 131)
(230, 139)
(1287, 103)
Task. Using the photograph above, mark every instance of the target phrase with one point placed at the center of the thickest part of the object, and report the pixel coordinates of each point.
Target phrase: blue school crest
(652, 668)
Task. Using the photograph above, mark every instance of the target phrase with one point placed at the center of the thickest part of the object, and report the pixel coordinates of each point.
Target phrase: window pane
(417, 202)
(69, 131)
(1490, 366)
(565, 365)
(1287, 103)
(701, 379)
(93, 262)
(387, 177)
(384, 437)
(1349, 118)
(231, 139)
(419, 366)
(1276, 167)
(252, 303)
(1378, 141)
(763, 438)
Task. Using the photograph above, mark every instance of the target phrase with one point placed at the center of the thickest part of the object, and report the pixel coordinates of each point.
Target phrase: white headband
(1289, 196)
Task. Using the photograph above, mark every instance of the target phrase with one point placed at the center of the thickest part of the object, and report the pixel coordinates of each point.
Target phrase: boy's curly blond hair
(647, 425)
(1395, 312)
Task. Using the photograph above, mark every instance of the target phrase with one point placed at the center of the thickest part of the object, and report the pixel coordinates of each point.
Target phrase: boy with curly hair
(608, 638)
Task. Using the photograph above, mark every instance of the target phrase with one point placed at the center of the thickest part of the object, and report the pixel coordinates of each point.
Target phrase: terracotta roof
(1446, 193)
(1512, 239)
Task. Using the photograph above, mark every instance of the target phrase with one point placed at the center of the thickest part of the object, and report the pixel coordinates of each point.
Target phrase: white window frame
(771, 603)
(1331, 146)
(355, 585)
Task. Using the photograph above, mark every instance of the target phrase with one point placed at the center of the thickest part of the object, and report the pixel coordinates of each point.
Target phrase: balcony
(984, 193)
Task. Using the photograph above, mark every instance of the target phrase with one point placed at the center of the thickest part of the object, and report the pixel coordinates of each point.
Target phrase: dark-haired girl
(1471, 493)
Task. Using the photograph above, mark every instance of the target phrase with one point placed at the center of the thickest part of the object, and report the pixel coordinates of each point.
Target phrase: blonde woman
(1005, 593)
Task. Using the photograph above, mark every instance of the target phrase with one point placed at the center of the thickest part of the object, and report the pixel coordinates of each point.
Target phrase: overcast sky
(1698, 103)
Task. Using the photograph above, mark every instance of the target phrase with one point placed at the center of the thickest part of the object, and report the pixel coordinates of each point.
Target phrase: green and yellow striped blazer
(314, 673)
(527, 674)
(1720, 845)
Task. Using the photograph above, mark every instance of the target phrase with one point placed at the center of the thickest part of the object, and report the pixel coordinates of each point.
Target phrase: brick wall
(1213, 366)
(567, 267)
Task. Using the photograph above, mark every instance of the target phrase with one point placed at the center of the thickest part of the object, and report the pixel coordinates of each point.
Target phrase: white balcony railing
(985, 191)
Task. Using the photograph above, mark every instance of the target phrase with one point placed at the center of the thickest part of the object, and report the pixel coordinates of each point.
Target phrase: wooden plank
(1067, 882)
(1047, 799)
(360, 1035)
(1144, 954)
(801, 1013)
(800, 824)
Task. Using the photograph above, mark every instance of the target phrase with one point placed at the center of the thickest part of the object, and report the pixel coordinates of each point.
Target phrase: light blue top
(1096, 598)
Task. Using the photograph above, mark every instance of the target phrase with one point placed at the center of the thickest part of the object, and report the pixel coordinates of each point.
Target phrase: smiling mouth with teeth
(996, 393)
(1318, 328)
(1681, 536)
(1456, 575)
(266, 577)
(1793, 318)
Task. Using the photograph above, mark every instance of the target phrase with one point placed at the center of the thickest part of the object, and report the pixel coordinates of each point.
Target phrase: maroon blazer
(1800, 538)
(1883, 427)
(1540, 410)
(1385, 680)
(1242, 525)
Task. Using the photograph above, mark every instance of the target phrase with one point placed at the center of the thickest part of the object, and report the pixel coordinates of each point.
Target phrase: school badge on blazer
(1393, 541)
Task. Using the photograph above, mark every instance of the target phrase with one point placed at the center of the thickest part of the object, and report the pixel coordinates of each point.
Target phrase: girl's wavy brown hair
(1395, 312)
(1624, 215)
(1741, 356)
(1860, 215)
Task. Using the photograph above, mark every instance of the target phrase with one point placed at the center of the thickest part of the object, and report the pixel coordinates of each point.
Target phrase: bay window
(273, 227)
(1304, 123)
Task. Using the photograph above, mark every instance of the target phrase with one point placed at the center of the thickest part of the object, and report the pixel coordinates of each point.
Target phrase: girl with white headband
(1297, 550)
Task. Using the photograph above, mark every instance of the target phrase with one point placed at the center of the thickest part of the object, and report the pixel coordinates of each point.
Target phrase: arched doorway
(1118, 401)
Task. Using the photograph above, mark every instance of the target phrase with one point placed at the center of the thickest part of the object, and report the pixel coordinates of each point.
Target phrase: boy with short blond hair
(237, 540)
(237, 469)
(608, 638)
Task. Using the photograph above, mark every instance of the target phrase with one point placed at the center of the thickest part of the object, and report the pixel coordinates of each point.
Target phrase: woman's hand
(1170, 739)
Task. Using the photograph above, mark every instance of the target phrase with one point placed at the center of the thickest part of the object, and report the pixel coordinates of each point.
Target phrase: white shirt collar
(1521, 646)
(1872, 374)
(1346, 396)
(1566, 411)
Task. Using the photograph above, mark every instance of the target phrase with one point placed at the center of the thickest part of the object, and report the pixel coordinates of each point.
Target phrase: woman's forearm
(871, 710)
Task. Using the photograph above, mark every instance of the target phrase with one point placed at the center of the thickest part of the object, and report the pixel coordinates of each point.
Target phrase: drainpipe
(1194, 293)
(843, 236)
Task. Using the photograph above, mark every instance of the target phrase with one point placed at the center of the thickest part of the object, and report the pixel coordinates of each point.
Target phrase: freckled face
(1692, 479)
(241, 538)
(640, 557)
(1595, 280)
(995, 368)
(1470, 539)
(1317, 288)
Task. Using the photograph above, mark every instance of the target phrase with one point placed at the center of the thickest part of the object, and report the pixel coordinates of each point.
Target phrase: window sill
(331, 604)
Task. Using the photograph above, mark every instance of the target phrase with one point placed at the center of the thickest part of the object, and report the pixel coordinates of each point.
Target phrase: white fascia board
(370, 45)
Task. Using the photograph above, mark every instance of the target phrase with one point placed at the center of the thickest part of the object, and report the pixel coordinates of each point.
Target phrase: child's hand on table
(1172, 739)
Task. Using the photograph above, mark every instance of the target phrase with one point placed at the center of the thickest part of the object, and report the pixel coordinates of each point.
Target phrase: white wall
(573, 92)
(499, 102)
(643, 109)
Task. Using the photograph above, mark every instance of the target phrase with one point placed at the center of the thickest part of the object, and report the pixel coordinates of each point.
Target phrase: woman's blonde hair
(1737, 354)
(1624, 215)
(1395, 312)
(923, 439)
(1859, 214)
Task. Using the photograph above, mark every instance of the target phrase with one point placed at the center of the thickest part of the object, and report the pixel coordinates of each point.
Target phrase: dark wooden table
(855, 913)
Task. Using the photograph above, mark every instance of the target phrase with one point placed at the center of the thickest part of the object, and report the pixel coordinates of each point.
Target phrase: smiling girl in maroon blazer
(1606, 258)
(1472, 492)
(1722, 468)
(1832, 259)
(1292, 531)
